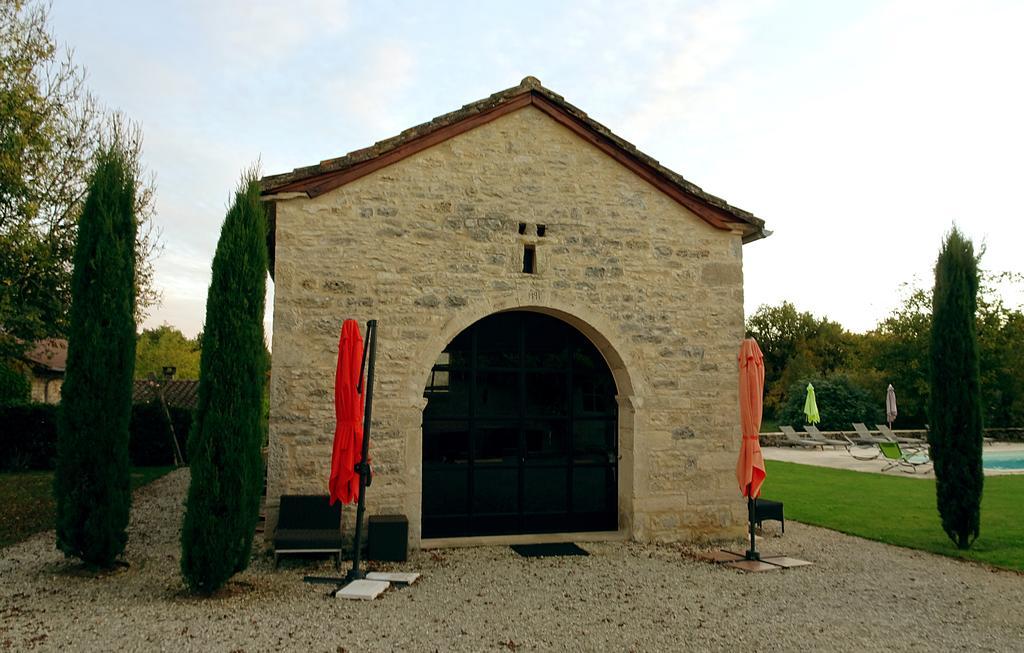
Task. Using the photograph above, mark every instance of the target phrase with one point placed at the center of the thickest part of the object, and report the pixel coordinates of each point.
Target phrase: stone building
(559, 319)
(45, 361)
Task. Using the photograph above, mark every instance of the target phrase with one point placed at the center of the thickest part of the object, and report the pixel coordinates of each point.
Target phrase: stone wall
(431, 244)
(1000, 434)
(46, 389)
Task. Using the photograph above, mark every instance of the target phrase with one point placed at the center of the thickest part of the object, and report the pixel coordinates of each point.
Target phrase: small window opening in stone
(541, 229)
(529, 259)
(522, 227)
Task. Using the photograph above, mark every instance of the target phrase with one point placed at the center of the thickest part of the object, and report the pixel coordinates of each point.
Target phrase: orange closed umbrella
(750, 468)
(750, 472)
(348, 408)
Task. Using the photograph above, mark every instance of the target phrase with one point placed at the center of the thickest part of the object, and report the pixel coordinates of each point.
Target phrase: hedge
(28, 436)
(840, 402)
(15, 388)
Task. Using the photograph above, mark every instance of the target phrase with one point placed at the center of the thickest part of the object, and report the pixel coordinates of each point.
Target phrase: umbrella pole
(752, 553)
(363, 468)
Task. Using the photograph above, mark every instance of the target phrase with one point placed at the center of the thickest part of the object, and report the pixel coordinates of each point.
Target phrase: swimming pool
(1007, 460)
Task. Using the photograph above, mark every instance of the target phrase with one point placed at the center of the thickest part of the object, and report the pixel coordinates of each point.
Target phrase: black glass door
(519, 432)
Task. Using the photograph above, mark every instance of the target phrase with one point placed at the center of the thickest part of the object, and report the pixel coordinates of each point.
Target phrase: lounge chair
(905, 461)
(307, 523)
(864, 436)
(793, 439)
(888, 434)
(861, 451)
(818, 436)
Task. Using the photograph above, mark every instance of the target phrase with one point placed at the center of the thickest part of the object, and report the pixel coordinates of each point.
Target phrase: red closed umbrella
(348, 408)
(750, 472)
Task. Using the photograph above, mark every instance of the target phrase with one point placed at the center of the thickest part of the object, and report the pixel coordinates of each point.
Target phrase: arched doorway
(519, 431)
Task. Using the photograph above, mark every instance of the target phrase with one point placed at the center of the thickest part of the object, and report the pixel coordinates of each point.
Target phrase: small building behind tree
(45, 362)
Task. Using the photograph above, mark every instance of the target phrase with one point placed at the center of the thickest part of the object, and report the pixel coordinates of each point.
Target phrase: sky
(861, 132)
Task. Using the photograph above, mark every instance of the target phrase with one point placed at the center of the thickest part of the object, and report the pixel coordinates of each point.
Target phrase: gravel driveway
(623, 597)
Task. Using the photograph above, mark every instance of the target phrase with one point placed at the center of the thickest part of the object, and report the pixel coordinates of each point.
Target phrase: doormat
(545, 550)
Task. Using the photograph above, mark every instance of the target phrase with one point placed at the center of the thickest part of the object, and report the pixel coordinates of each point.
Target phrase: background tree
(50, 131)
(897, 349)
(955, 435)
(1000, 356)
(166, 345)
(92, 484)
(897, 352)
(796, 345)
(779, 330)
(799, 346)
(224, 445)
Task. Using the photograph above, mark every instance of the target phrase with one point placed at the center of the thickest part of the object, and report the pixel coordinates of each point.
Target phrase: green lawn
(899, 511)
(27, 505)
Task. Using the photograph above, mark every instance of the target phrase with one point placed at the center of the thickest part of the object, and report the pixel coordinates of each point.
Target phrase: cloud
(687, 75)
(261, 32)
(373, 95)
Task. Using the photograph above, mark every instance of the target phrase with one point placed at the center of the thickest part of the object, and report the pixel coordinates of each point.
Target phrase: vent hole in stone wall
(541, 229)
(522, 227)
(529, 259)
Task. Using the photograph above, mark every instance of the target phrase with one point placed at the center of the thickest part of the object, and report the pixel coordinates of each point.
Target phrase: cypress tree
(224, 444)
(955, 433)
(92, 483)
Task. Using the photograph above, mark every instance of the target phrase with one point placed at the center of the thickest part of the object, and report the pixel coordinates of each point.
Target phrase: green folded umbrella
(811, 406)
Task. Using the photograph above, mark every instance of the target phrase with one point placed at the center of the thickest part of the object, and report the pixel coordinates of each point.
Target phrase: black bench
(765, 509)
(307, 523)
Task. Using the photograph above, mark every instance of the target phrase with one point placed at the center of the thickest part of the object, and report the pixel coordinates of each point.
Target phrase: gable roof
(50, 354)
(327, 175)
